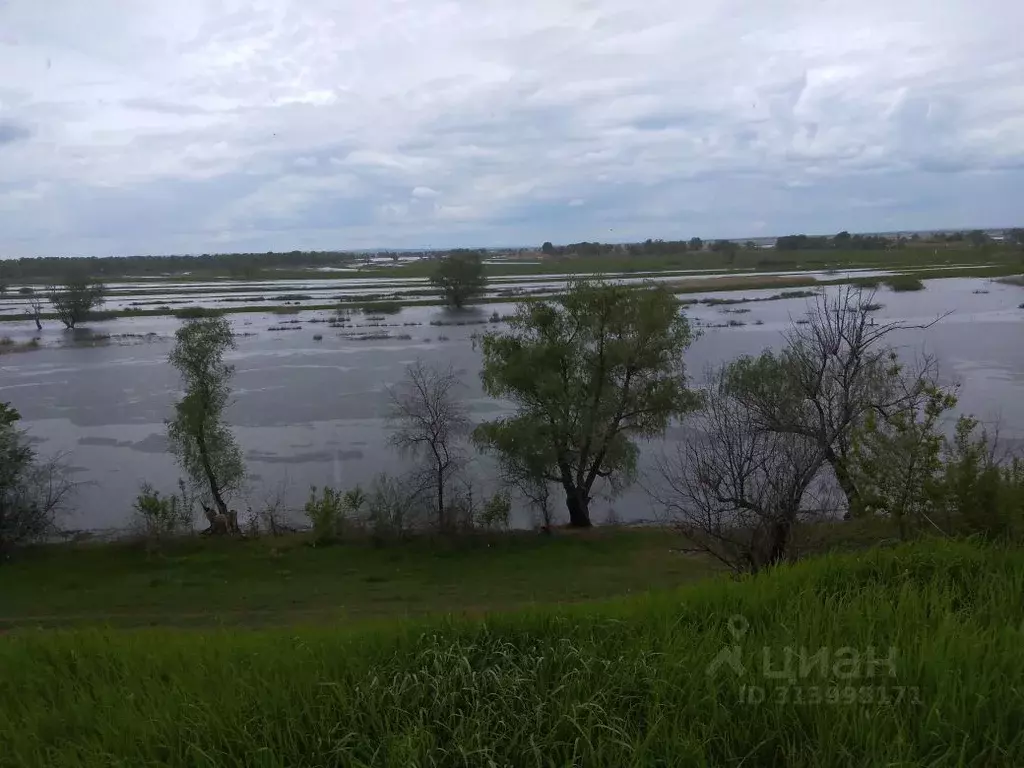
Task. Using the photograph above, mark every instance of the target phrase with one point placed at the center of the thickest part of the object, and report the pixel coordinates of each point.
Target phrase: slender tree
(203, 443)
(588, 372)
(429, 422)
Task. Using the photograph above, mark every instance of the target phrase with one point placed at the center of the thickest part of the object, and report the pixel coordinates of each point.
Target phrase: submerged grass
(625, 683)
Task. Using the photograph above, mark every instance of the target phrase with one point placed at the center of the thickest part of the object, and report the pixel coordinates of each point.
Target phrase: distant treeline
(250, 265)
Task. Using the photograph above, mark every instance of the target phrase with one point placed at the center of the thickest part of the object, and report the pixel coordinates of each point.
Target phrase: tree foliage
(203, 443)
(588, 372)
(836, 369)
(74, 299)
(460, 278)
(32, 492)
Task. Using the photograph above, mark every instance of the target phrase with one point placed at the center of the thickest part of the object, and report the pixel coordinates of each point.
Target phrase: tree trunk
(578, 505)
(779, 545)
(222, 507)
(849, 488)
(440, 499)
(39, 326)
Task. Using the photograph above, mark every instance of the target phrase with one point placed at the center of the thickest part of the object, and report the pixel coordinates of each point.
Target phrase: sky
(195, 126)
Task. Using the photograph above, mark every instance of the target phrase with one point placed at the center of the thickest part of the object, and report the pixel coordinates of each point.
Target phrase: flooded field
(149, 295)
(312, 412)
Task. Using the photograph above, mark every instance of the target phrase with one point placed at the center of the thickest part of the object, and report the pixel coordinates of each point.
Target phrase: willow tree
(201, 440)
(588, 372)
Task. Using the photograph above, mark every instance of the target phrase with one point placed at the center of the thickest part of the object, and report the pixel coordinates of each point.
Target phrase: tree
(894, 461)
(547, 249)
(835, 370)
(726, 247)
(32, 493)
(588, 372)
(35, 304)
(460, 277)
(696, 244)
(73, 300)
(203, 443)
(977, 238)
(429, 422)
(736, 490)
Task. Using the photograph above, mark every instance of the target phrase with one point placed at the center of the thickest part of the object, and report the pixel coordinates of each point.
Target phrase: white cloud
(668, 118)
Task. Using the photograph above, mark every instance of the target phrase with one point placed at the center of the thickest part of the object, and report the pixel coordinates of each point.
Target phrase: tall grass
(622, 683)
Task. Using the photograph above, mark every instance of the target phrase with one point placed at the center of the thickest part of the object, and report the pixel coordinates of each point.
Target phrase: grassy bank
(211, 582)
(620, 683)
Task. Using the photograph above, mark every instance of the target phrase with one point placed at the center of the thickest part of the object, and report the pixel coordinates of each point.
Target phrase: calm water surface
(311, 413)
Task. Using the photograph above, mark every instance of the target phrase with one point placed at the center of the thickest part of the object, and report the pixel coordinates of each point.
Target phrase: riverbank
(906, 656)
(283, 580)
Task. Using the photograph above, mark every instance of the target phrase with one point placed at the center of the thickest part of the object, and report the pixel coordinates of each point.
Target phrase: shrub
(159, 517)
(25, 291)
(318, 337)
(904, 283)
(977, 494)
(495, 513)
(326, 514)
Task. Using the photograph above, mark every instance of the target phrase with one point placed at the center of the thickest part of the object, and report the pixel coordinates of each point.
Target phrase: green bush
(975, 493)
(158, 517)
(326, 514)
(904, 283)
(495, 512)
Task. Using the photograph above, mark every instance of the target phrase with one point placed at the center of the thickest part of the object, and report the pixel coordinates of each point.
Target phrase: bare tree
(35, 304)
(836, 369)
(429, 423)
(736, 490)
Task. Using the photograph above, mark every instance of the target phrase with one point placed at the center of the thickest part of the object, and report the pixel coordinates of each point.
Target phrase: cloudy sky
(137, 126)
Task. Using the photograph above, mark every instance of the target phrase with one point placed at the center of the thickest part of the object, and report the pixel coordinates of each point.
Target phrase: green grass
(382, 307)
(210, 582)
(192, 313)
(904, 283)
(621, 683)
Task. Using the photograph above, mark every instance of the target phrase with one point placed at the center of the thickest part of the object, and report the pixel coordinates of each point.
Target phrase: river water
(312, 412)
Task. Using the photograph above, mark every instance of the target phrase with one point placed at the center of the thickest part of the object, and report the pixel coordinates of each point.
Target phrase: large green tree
(202, 441)
(588, 372)
(460, 278)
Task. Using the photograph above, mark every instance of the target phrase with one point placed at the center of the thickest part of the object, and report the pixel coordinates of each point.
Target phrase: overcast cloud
(136, 126)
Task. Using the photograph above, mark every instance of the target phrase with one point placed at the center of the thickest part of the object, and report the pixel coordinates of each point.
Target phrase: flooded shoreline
(310, 412)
